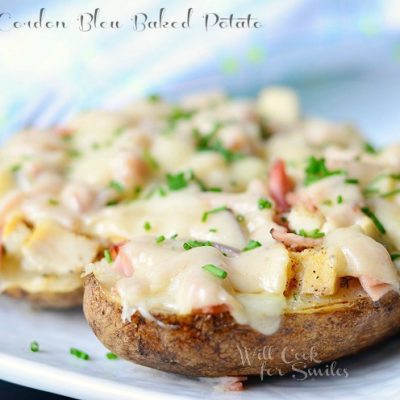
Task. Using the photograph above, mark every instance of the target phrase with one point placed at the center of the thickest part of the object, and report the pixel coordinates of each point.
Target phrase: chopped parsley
(327, 203)
(213, 230)
(314, 234)
(190, 244)
(147, 226)
(375, 220)
(79, 353)
(111, 203)
(253, 244)
(317, 170)
(339, 199)
(216, 271)
(107, 256)
(174, 236)
(117, 186)
(112, 356)
(264, 203)
(74, 153)
(53, 202)
(352, 181)
(160, 238)
(177, 181)
(34, 347)
(213, 211)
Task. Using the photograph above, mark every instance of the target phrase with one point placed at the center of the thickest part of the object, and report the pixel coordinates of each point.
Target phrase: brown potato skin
(208, 344)
(49, 300)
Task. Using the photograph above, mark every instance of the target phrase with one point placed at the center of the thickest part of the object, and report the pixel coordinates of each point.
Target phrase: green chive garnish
(118, 187)
(34, 347)
(107, 256)
(147, 226)
(190, 244)
(74, 153)
(79, 353)
(395, 256)
(216, 271)
(339, 199)
(317, 170)
(15, 168)
(391, 193)
(160, 239)
(368, 148)
(153, 98)
(53, 202)
(174, 236)
(177, 182)
(240, 218)
(352, 181)
(264, 203)
(213, 211)
(213, 230)
(112, 356)
(375, 220)
(314, 234)
(253, 244)
(150, 160)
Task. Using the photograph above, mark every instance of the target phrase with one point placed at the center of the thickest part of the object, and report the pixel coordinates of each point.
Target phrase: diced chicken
(53, 249)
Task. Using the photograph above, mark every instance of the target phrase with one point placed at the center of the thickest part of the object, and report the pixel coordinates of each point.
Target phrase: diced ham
(123, 264)
(293, 241)
(374, 288)
(280, 185)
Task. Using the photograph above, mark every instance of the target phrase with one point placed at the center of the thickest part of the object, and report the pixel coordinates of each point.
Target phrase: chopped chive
(391, 193)
(35, 347)
(162, 191)
(368, 148)
(160, 239)
(95, 146)
(339, 199)
(112, 356)
(150, 160)
(15, 168)
(253, 244)
(111, 203)
(317, 170)
(53, 202)
(213, 211)
(153, 98)
(107, 256)
(79, 353)
(352, 181)
(177, 182)
(264, 203)
(327, 202)
(315, 233)
(174, 236)
(240, 218)
(147, 226)
(216, 271)
(117, 186)
(74, 153)
(119, 131)
(213, 230)
(375, 220)
(395, 256)
(190, 244)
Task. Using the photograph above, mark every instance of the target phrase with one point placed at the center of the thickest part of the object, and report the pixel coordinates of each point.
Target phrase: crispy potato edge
(214, 345)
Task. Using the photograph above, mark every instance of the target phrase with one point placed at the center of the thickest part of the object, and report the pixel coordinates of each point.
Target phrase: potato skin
(208, 344)
(49, 300)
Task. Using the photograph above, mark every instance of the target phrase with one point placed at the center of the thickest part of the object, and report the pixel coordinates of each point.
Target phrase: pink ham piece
(123, 264)
(280, 185)
(374, 288)
(293, 241)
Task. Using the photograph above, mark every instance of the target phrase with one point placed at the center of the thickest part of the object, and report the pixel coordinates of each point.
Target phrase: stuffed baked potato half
(215, 345)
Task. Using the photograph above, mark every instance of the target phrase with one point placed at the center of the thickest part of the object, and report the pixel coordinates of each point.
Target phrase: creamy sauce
(175, 187)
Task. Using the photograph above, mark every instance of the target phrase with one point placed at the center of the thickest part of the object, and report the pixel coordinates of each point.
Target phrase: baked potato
(215, 345)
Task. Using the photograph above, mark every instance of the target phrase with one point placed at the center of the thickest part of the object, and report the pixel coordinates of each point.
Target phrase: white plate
(54, 369)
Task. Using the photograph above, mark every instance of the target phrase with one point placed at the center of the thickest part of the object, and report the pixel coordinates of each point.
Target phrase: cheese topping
(202, 205)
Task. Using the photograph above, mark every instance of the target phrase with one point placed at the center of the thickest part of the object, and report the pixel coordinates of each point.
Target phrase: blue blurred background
(343, 56)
